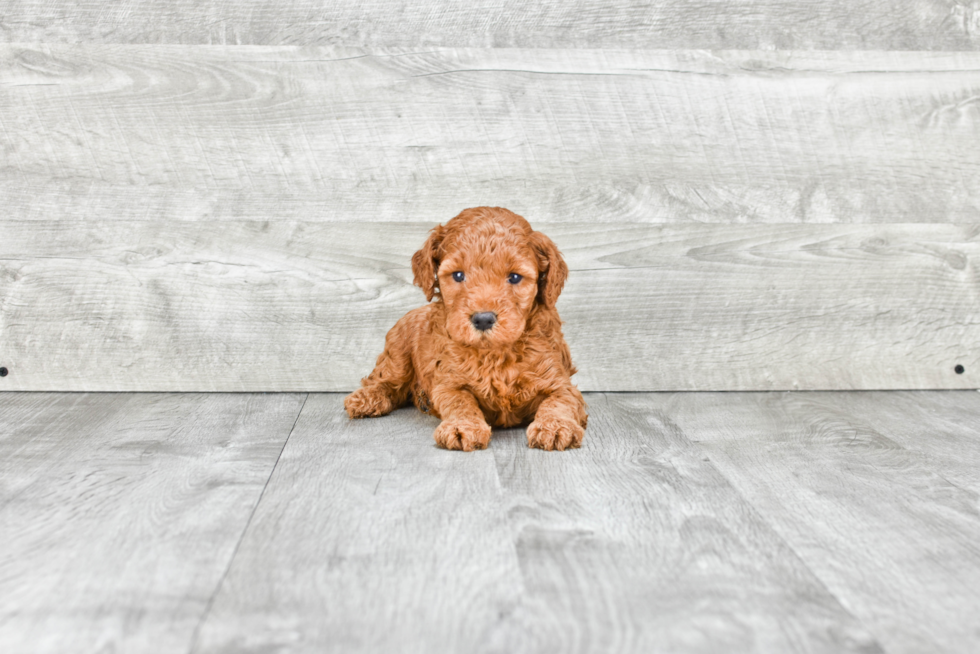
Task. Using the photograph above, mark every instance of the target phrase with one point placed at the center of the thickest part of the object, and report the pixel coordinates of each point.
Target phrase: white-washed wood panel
(370, 539)
(710, 24)
(184, 132)
(879, 523)
(119, 514)
(294, 306)
(942, 428)
(636, 543)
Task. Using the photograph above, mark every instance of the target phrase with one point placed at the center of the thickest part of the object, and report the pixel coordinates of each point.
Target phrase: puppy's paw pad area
(367, 402)
(466, 436)
(554, 434)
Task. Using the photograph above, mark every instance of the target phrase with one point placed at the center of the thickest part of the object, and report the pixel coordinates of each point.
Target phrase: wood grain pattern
(744, 522)
(882, 525)
(292, 306)
(710, 24)
(940, 428)
(370, 539)
(119, 514)
(636, 544)
(183, 133)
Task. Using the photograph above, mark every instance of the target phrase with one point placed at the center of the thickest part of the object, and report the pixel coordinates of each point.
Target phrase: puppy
(489, 350)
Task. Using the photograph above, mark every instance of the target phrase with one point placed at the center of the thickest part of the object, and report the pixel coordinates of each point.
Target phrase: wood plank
(882, 525)
(940, 428)
(636, 544)
(710, 24)
(298, 306)
(119, 514)
(632, 544)
(182, 132)
(369, 538)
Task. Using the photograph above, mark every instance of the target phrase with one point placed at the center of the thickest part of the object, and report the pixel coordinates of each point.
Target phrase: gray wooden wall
(751, 195)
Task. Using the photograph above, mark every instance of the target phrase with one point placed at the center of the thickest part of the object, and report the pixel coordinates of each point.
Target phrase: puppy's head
(490, 269)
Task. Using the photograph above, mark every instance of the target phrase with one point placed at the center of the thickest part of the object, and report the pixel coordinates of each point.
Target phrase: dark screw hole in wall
(959, 370)
(3, 372)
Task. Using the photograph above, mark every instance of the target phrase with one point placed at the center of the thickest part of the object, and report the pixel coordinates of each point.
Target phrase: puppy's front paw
(554, 434)
(368, 401)
(459, 435)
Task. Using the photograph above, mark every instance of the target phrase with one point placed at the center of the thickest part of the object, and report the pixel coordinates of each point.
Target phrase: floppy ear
(425, 262)
(552, 270)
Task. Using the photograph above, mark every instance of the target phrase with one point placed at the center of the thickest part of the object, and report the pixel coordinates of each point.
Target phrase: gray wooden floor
(726, 522)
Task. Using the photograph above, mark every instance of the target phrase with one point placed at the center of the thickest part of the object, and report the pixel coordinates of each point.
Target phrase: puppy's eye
(514, 278)
(458, 276)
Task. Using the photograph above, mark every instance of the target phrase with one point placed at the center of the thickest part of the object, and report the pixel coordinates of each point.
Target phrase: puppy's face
(490, 268)
(488, 285)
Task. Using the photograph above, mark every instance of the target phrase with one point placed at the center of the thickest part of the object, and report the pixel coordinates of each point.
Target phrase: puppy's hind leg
(388, 385)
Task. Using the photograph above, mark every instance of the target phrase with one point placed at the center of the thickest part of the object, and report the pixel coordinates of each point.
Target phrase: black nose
(483, 320)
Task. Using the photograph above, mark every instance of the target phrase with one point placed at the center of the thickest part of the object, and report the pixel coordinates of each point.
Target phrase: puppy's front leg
(559, 423)
(463, 426)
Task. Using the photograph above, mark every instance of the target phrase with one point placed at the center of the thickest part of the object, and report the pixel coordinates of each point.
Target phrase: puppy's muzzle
(483, 320)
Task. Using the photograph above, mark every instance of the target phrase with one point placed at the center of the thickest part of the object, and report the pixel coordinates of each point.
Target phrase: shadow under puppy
(489, 350)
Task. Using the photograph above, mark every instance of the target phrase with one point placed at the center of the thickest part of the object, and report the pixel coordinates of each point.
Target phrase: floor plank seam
(234, 554)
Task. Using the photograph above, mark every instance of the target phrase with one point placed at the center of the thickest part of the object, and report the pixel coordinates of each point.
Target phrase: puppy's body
(508, 383)
(489, 350)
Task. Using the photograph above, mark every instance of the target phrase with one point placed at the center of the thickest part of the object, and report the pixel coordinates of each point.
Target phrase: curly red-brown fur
(515, 372)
